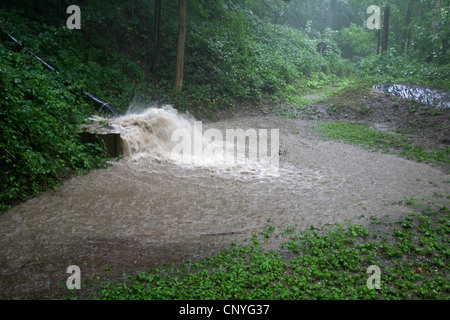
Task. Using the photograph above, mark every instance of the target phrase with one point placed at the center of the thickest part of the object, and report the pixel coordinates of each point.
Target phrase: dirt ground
(41, 277)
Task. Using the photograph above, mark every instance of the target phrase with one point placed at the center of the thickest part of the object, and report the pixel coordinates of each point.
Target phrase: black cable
(101, 105)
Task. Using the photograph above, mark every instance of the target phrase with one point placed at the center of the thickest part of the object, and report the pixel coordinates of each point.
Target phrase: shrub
(39, 119)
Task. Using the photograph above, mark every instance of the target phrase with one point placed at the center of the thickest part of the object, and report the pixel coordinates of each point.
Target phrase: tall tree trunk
(436, 12)
(406, 32)
(437, 8)
(181, 44)
(133, 2)
(419, 16)
(157, 36)
(385, 44)
(379, 42)
(446, 39)
(331, 19)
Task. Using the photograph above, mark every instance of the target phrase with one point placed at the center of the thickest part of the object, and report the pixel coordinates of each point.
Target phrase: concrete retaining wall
(113, 141)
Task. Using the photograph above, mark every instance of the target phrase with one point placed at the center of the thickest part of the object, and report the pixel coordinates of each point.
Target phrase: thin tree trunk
(436, 12)
(385, 44)
(437, 8)
(379, 42)
(331, 20)
(406, 32)
(419, 16)
(446, 39)
(408, 42)
(157, 36)
(181, 43)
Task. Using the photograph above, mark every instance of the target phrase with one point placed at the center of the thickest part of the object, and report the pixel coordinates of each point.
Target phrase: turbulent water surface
(151, 198)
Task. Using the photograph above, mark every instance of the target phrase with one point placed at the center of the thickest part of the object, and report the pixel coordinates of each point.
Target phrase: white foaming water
(166, 135)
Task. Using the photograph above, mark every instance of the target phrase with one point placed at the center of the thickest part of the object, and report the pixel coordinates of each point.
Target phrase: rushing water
(150, 197)
(430, 96)
(166, 135)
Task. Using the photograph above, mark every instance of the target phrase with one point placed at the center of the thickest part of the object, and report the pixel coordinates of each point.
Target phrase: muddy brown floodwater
(145, 210)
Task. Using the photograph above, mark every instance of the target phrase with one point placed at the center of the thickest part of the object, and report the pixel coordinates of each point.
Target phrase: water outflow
(166, 135)
(430, 96)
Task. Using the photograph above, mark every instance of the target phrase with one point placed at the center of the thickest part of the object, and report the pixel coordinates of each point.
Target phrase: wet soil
(135, 216)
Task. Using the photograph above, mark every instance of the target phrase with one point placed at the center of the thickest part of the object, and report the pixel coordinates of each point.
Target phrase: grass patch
(328, 263)
(298, 102)
(348, 95)
(366, 137)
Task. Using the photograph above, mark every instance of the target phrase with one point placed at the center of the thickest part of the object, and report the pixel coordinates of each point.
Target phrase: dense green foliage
(41, 111)
(328, 263)
(39, 117)
(393, 68)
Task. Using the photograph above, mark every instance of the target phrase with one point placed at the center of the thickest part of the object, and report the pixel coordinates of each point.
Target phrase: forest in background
(237, 52)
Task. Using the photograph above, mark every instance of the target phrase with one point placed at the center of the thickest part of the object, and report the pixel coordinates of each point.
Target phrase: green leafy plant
(39, 119)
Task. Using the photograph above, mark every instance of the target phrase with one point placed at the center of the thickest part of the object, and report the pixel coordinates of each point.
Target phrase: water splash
(148, 132)
(164, 134)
